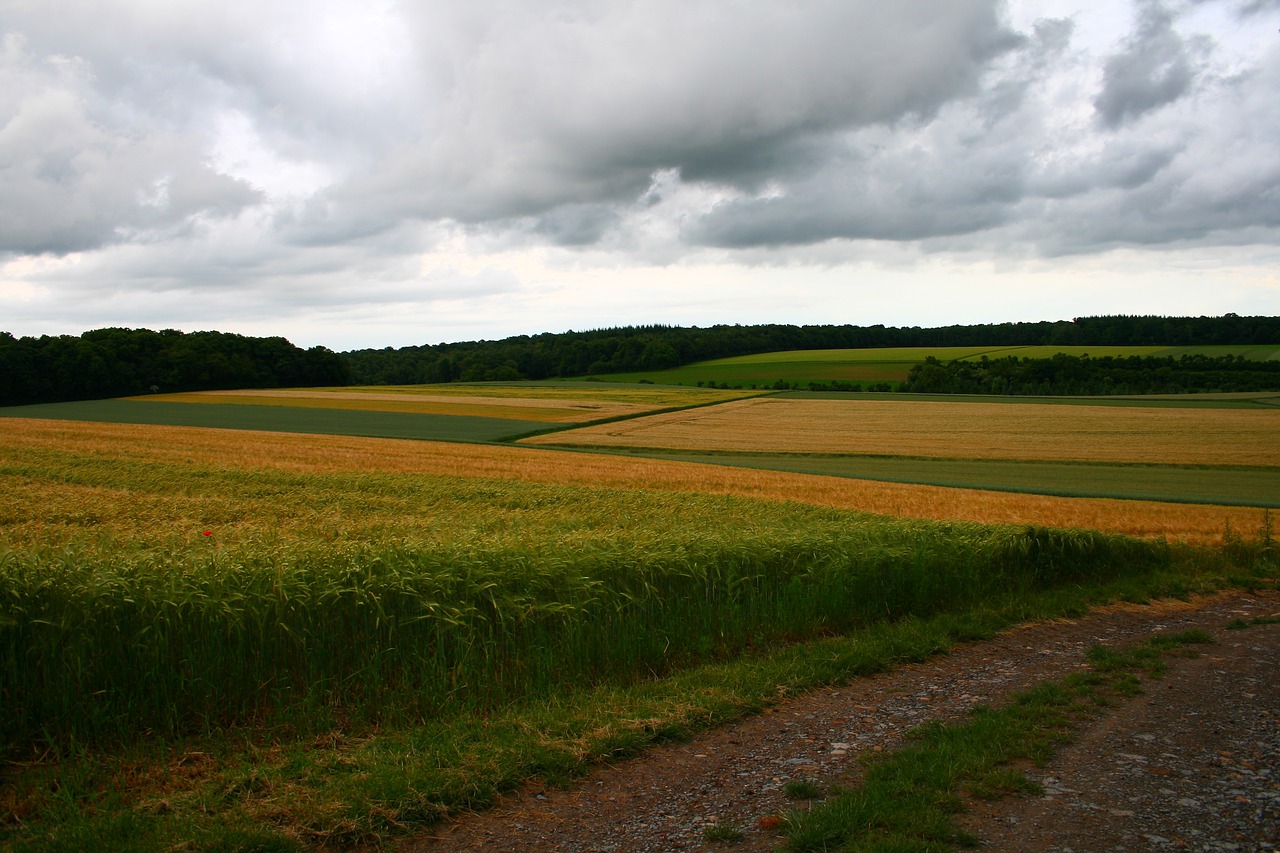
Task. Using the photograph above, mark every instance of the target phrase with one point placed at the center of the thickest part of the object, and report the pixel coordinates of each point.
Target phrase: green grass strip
(1204, 400)
(1223, 486)
(909, 796)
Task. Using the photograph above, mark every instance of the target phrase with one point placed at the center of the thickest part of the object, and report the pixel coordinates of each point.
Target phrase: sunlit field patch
(961, 430)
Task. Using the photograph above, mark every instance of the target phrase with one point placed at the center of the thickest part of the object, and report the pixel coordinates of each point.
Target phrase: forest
(1085, 376)
(125, 362)
(622, 350)
(120, 362)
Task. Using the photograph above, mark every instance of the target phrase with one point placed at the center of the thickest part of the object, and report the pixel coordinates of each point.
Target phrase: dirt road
(1191, 764)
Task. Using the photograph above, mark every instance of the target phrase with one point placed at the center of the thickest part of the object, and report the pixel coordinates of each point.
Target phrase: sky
(372, 173)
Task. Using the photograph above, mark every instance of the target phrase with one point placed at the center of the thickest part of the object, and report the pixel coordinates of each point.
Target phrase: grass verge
(909, 796)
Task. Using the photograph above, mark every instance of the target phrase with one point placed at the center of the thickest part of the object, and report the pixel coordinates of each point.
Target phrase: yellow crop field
(32, 509)
(659, 396)
(960, 430)
(547, 410)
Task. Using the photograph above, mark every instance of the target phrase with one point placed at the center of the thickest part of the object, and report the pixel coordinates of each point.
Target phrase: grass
(722, 833)
(176, 636)
(802, 789)
(1265, 400)
(1241, 624)
(1235, 485)
(908, 797)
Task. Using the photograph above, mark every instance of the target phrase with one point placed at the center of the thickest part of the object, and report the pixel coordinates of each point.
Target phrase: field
(519, 409)
(554, 403)
(889, 364)
(963, 430)
(1220, 486)
(438, 413)
(1251, 400)
(1155, 453)
(244, 639)
(81, 497)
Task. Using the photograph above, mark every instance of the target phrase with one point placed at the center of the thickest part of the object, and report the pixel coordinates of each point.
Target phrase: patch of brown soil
(1188, 765)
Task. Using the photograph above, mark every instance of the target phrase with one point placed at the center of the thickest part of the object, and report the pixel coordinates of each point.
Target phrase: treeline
(122, 362)
(1083, 375)
(125, 362)
(641, 348)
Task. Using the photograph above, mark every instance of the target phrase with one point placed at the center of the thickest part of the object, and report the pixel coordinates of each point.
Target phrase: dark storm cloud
(564, 103)
(576, 224)
(1182, 159)
(1154, 70)
(548, 122)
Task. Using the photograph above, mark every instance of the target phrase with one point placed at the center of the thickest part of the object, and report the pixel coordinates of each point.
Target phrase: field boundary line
(514, 439)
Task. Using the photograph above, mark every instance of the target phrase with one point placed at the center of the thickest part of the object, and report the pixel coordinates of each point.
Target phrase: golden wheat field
(959, 430)
(608, 392)
(546, 410)
(34, 502)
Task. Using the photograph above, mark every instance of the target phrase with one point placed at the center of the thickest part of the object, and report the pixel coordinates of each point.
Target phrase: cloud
(564, 103)
(1208, 174)
(958, 169)
(821, 120)
(1254, 7)
(75, 177)
(1155, 69)
(1020, 164)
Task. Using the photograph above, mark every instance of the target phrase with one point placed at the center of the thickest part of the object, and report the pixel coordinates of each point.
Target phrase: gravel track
(1193, 763)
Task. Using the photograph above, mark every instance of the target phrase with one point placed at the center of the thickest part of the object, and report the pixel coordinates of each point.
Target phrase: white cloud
(71, 179)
